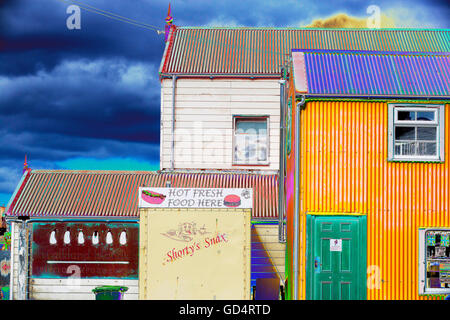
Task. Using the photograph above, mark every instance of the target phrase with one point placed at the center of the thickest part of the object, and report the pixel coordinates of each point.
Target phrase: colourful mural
(5, 265)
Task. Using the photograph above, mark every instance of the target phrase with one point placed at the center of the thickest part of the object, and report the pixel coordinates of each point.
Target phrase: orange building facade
(338, 166)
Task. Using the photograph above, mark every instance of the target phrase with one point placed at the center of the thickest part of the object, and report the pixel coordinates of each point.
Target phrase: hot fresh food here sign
(216, 198)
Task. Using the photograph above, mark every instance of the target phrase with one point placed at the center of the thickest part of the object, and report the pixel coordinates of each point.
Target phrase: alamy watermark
(74, 20)
(374, 20)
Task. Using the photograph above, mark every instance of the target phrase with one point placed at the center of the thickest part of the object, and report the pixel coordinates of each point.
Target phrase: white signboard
(214, 198)
(336, 245)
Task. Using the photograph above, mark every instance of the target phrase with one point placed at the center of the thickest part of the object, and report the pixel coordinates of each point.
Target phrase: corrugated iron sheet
(263, 51)
(346, 73)
(115, 193)
(343, 158)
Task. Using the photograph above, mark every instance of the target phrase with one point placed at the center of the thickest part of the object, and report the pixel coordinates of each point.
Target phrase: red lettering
(223, 237)
(171, 259)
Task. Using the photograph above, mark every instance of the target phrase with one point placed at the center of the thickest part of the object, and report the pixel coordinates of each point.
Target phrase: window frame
(422, 263)
(439, 123)
(251, 117)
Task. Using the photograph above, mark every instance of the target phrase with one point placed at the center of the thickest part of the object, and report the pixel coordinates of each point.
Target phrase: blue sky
(89, 98)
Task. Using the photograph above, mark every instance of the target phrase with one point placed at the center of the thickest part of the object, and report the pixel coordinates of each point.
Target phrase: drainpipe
(281, 233)
(23, 250)
(172, 160)
(297, 197)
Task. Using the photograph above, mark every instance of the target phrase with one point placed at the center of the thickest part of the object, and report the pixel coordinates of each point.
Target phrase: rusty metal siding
(345, 170)
(205, 50)
(115, 193)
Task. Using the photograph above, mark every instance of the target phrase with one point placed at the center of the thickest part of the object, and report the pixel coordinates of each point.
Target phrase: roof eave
(16, 192)
(220, 75)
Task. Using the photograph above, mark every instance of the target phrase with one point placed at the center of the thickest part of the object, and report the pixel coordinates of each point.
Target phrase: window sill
(261, 164)
(417, 160)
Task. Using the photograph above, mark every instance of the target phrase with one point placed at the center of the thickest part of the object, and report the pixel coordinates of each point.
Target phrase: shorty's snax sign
(216, 198)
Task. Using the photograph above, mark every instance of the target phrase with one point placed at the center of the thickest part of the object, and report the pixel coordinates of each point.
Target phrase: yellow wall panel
(194, 254)
(345, 169)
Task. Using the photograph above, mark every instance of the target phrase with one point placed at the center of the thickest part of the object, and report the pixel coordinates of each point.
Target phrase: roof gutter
(370, 97)
(281, 233)
(220, 75)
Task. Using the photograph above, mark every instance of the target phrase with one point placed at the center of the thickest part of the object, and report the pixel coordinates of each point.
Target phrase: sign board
(336, 245)
(208, 198)
(194, 254)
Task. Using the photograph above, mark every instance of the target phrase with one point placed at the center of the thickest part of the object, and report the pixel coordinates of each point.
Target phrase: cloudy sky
(89, 98)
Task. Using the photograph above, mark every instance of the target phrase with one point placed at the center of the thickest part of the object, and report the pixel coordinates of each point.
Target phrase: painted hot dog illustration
(232, 201)
(152, 197)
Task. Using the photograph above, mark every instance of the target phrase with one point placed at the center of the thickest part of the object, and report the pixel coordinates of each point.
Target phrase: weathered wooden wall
(210, 105)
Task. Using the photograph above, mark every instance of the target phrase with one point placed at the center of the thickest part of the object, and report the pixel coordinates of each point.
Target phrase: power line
(152, 27)
(113, 16)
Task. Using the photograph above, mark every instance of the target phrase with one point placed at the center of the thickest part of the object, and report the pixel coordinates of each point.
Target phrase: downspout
(297, 196)
(172, 160)
(281, 233)
(23, 293)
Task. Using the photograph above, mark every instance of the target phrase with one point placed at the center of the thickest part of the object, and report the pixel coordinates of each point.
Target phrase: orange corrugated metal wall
(343, 155)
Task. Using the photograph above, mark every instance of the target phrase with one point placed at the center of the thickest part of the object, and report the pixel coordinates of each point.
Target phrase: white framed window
(434, 261)
(251, 140)
(416, 132)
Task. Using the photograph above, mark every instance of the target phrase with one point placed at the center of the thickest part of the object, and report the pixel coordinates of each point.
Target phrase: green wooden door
(337, 258)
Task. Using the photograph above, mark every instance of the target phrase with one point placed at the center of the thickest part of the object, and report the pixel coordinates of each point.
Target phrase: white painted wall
(65, 289)
(204, 120)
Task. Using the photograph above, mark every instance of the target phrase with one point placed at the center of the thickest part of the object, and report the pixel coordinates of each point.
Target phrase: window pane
(426, 148)
(405, 148)
(425, 116)
(405, 133)
(250, 148)
(251, 127)
(250, 141)
(426, 133)
(406, 116)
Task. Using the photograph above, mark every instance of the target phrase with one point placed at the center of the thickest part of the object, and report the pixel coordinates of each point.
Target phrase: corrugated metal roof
(345, 73)
(45, 193)
(262, 51)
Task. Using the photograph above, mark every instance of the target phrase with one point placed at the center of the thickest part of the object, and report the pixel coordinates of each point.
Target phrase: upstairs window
(251, 140)
(416, 132)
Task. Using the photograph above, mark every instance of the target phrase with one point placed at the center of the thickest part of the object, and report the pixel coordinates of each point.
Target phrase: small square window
(416, 132)
(250, 140)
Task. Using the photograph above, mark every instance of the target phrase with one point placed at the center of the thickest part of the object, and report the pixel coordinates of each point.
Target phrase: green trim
(269, 222)
(417, 161)
(333, 214)
(309, 257)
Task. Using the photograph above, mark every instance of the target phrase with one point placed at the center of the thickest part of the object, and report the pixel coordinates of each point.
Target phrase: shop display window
(434, 267)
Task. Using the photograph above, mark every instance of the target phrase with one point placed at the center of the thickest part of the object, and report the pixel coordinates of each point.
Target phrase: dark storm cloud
(111, 99)
(35, 34)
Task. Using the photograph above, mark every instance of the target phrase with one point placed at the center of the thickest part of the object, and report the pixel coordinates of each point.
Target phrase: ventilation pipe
(281, 233)
(297, 197)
